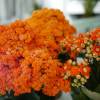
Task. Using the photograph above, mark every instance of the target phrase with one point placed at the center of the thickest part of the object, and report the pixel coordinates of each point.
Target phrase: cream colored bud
(85, 63)
(78, 76)
(85, 80)
(73, 63)
(86, 60)
(88, 48)
(79, 84)
(83, 83)
(86, 55)
(88, 51)
(84, 69)
(75, 80)
(70, 61)
(82, 79)
(65, 77)
(87, 77)
(90, 55)
(73, 84)
(88, 43)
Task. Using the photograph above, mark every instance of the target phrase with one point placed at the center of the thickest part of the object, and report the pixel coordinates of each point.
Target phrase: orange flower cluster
(30, 52)
(84, 49)
(50, 27)
(83, 43)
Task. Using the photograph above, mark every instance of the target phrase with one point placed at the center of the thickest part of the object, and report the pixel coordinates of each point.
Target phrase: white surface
(74, 7)
(97, 8)
(69, 6)
(2, 9)
(54, 4)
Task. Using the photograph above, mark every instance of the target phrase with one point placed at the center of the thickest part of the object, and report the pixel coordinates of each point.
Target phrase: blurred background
(84, 14)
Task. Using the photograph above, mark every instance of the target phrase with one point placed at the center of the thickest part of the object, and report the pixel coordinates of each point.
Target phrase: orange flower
(50, 27)
(85, 71)
(75, 70)
(96, 50)
(95, 34)
(65, 85)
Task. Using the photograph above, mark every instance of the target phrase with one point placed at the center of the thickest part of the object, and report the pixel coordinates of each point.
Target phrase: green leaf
(79, 95)
(97, 89)
(94, 79)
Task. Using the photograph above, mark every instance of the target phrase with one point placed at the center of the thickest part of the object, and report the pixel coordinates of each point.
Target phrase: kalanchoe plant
(29, 52)
(39, 56)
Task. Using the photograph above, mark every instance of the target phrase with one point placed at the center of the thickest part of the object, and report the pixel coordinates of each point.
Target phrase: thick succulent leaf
(79, 95)
(97, 89)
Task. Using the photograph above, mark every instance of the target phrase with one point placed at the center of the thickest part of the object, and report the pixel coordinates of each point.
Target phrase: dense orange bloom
(75, 71)
(29, 50)
(50, 27)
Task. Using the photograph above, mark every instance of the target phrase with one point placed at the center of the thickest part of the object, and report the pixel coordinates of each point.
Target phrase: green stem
(89, 6)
